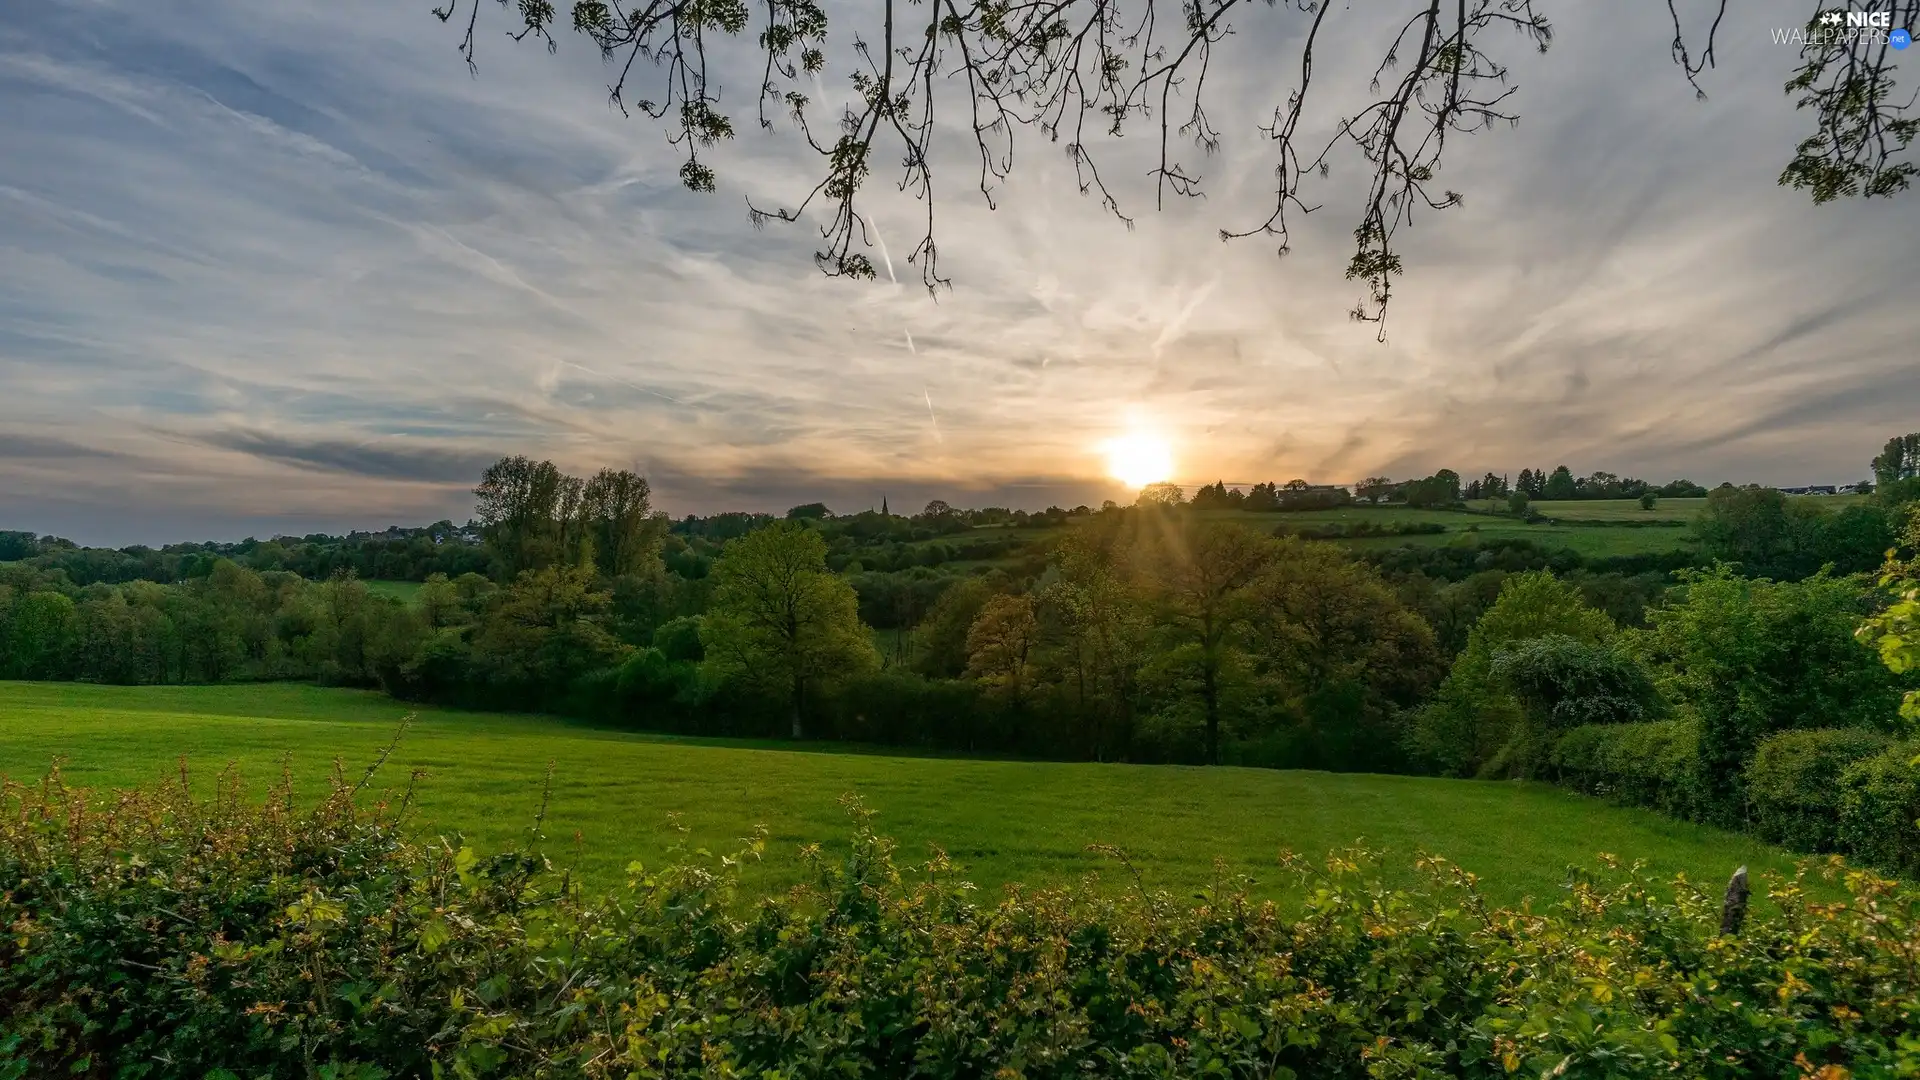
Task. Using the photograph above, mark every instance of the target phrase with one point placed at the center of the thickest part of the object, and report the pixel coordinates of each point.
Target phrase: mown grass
(403, 591)
(1004, 821)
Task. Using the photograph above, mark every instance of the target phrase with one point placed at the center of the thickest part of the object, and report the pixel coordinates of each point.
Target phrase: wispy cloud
(273, 266)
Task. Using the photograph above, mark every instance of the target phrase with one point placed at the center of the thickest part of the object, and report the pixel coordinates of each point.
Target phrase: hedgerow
(154, 935)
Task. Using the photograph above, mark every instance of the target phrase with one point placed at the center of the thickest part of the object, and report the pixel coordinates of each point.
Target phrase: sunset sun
(1139, 458)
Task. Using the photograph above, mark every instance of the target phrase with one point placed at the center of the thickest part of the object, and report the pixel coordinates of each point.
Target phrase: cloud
(295, 264)
(45, 448)
(419, 463)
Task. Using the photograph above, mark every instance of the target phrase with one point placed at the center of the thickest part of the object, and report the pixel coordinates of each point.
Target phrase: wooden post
(1733, 910)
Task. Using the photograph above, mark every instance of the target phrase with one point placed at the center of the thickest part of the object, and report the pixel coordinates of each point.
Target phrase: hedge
(1879, 803)
(1793, 784)
(1652, 764)
(162, 937)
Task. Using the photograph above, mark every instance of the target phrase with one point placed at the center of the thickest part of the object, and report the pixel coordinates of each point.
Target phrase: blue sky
(290, 267)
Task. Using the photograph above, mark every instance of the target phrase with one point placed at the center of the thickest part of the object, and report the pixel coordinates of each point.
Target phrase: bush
(903, 709)
(1654, 764)
(1793, 784)
(1880, 808)
(1561, 683)
(180, 940)
(1752, 658)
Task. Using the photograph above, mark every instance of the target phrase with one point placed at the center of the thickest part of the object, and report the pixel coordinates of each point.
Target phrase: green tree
(519, 506)
(939, 641)
(42, 632)
(544, 632)
(1340, 656)
(1560, 485)
(1894, 632)
(1899, 460)
(1561, 682)
(1464, 729)
(1198, 576)
(1095, 625)
(1648, 499)
(625, 531)
(1001, 646)
(1745, 525)
(782, 623)
(1749, 658)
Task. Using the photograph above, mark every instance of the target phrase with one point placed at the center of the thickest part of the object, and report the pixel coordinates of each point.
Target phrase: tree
(545, 632)
(1095, 627)
(1374, 488)
(1895, 631)
(518, 506)
(780, 622)
(1561, 682)
(1340, 654)
(1055, 67)
(1518, 504)
(1198, 576)
(1750, 658)
(809, 512)
(1900, 460)
(939, 646)
(1648, 499)
(1560, 485)
(1464, 729)
(620, 523)
(1161, 494)
(1001, 646)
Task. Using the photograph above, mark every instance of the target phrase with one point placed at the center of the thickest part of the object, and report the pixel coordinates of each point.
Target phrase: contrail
(883, 247)
(941, 439)
(624, 382)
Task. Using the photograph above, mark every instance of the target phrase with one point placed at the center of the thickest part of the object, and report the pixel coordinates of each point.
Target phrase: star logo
(1831, 18)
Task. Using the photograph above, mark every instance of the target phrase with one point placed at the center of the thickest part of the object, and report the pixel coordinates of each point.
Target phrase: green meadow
(618, 796)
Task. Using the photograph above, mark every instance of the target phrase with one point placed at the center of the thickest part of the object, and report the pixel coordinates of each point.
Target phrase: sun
(1139, 458)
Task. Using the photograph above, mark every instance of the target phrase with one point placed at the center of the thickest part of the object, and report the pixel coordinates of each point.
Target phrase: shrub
(1793, 784)
(1462, 730)
(170, 938)
(1752, 658)
(1880, 808)
(1654, 764)
(1561, 683)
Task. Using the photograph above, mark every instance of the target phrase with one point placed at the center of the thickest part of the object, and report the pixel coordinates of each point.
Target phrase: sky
(288, 268)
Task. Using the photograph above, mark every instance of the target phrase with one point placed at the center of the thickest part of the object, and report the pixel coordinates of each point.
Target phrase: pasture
(403, 591)
(619, 796)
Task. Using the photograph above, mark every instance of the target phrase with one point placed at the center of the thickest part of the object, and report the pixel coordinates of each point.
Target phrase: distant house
(1816, 489)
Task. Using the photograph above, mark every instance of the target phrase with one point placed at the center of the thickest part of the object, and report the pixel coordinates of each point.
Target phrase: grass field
(403, 591)
(1003, 821)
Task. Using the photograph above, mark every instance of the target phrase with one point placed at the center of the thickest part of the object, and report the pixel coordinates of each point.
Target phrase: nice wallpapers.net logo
(1846, 28)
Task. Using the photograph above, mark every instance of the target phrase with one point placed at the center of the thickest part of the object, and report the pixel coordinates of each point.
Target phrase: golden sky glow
(1139, 458)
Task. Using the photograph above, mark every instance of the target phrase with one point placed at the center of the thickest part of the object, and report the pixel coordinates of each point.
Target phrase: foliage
(176, 938)
(1561, 682)
(1001, 646)
(780, 622)
(1894, 631)
(1879, 801)
(1652, 764)
(1752, 658)
(534, 517)
(1772, 536)
(1899, 460)
(1793, 785)
(1462, 731)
